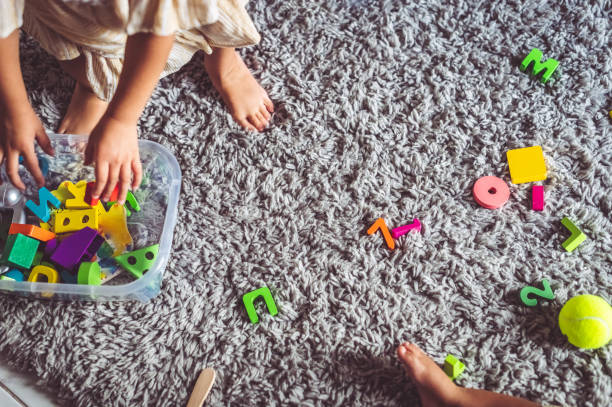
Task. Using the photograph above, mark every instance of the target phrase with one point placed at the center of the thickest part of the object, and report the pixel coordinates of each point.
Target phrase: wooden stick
(201, 388)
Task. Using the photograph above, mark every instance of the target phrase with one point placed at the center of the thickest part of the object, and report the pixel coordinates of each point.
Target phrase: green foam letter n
(249, 299)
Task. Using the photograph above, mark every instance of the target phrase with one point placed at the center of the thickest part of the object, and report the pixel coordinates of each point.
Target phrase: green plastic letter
(535, 56)
(249, 299)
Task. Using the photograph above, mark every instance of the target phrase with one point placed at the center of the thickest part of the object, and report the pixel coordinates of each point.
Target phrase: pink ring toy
(491, 192)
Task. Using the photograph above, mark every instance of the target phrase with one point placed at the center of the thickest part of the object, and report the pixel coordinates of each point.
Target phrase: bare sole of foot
(84, 112)
(433, 385)
(247, 101)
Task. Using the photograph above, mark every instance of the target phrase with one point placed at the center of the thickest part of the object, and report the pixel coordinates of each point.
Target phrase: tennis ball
(586, 320)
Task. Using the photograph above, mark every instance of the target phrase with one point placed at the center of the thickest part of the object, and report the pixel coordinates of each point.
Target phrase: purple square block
(75, 247)
(51, 246)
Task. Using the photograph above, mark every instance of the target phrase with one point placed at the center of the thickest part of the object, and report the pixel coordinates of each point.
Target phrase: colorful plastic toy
(43, 164)
(105, 251)
(78, 193)
(79, 246)
(37, 258)
(380, 224)
(139, 261)
(73, 220)
(51, 246)
(546, 293)
(19, 250)
(89, 274)
(576, 236)
(62, 193)
(49, 272)
(130, 201)
(537, 197)
(535, 56)
(249, 298)
(113, 226)
(526, 164)
(13, 274)
(402, 230)
(32, 231)
(92, 201)
(42, 209)
(453, 367)
(490, 192)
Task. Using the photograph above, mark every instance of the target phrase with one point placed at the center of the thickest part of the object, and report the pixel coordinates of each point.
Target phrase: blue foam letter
(42, 210)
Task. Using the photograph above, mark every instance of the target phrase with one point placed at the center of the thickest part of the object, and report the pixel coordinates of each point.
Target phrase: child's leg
(248, 102)
(85, 109)
(436, 389)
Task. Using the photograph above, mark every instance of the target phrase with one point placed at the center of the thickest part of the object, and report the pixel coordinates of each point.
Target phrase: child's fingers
(1, 159)
(113, 178)
(124, 182)
(44, 142)
(137, 172)
(89, 153)
(31, 162)
(12, 169)
(101, 177)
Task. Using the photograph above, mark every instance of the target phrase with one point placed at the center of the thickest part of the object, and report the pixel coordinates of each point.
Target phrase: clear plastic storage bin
(154, 223)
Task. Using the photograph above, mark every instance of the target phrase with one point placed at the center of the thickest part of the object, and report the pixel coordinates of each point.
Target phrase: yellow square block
(526, 164)
(73, 220)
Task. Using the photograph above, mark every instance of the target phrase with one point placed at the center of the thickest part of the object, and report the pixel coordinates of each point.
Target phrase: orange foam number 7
(380, 224)
(546, 293)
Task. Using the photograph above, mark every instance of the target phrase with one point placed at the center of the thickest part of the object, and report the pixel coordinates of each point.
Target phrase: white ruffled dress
(98, 30)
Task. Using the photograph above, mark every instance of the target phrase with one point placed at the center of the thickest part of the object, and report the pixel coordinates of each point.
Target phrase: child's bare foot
(247, 101)
(434, 386)
(84, 112)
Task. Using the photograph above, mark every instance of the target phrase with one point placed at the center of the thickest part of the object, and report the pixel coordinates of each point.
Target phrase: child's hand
(18, 130)
(113, 148)
(113, 144)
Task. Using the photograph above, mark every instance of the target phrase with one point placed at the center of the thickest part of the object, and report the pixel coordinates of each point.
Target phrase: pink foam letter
(402, 230)
(537, 197)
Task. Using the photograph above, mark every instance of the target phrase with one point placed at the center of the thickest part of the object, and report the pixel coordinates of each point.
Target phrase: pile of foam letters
(72, 237)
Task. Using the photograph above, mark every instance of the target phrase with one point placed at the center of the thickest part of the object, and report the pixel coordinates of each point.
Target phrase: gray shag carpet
(383, 110)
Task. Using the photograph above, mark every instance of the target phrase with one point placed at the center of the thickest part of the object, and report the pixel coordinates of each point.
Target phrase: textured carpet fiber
(383, 110)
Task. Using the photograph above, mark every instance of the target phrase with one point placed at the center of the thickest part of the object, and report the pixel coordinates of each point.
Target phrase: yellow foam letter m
(535, 56)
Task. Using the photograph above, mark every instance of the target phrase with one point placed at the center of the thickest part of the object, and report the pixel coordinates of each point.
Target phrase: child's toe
(269, 105)
(244, 123)
(264, 112)
(404, 354)
(257, 121)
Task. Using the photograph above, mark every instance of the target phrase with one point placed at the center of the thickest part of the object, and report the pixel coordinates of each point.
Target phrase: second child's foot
(247, 101)
(433, 385)
(84, 112)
